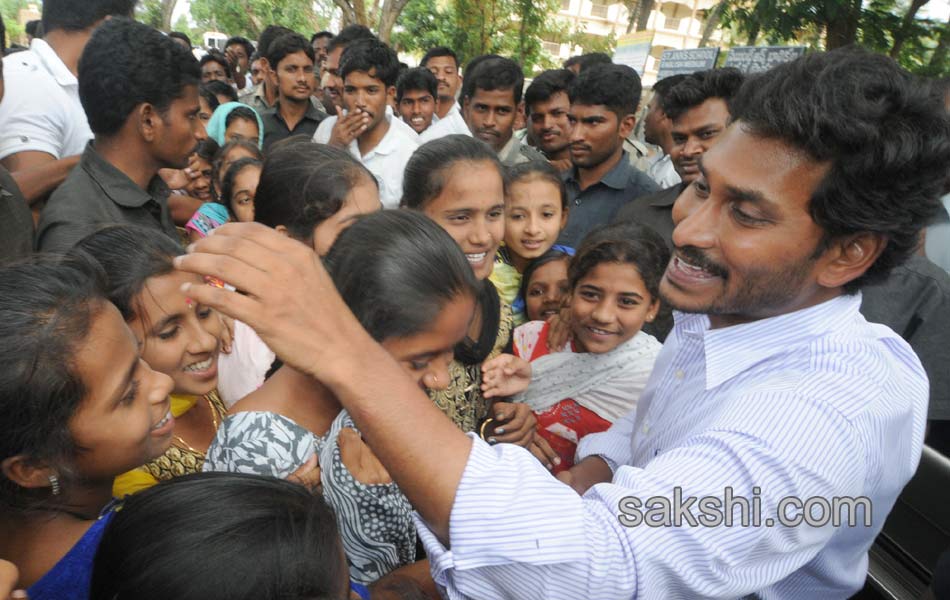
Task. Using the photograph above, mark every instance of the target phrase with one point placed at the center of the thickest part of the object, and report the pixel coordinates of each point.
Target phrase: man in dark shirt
(699, 109)
(139, 90)
(604, 101)
(292, 59)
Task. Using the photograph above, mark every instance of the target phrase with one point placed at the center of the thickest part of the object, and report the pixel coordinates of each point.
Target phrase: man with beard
(139, 89)
(698, 108)
(604, 101)
(369, 69)
(493, 106)
(291, 58)
(771, 394)
(547, 106)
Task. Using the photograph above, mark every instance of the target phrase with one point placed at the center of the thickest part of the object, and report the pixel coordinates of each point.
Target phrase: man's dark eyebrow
(740, 194)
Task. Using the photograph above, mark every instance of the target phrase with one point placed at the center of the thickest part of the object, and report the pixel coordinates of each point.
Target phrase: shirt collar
(53, 63)
(313, 113)
(731, 350)
(616, 178)
(116, 184)
(668, 197)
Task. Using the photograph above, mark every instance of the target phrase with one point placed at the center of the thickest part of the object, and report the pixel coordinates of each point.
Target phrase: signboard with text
(633, 49)
(756, 59)
(685, 62)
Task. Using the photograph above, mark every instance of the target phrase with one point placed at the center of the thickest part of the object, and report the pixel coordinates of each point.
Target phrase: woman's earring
(54, 483)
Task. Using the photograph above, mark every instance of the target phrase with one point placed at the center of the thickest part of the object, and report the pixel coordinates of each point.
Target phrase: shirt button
(679, 374)
(645, 428)
(577, 202)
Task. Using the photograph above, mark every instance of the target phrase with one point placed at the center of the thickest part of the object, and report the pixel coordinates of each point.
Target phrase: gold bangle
(481, 430)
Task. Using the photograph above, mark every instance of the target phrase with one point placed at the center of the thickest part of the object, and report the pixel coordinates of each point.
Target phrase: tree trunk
(387, 18)
(943, 48)
(904, 31)
(842, 26)
(646, 7)
(168, 7)
(712, 22)
(348, 16)
(753, 34)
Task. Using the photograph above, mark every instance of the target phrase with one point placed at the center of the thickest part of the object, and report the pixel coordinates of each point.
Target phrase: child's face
(425, 356)
(546, 290)
(178, 336)
(471, 208)
(200, 187)
(242, 193)
(362, 200)
(534, 218)
(242, 129)
(124, 419)
(609, 305)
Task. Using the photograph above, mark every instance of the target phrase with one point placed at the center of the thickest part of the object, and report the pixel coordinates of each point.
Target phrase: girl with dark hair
(312, 192)
(459, 183)
(597, 378)
(229, 153)
(535, 212)
(545, 283)
(200, 187)
(78, 406)
(240, 188)
(207, 104)
(413, 291)
(236, 121)
(281, 539)
(178, 337)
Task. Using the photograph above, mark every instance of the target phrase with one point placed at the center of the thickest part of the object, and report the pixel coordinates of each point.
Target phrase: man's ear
(391, 94)
(148, 121)
(627, 125)
(26, 472)
(849, 257)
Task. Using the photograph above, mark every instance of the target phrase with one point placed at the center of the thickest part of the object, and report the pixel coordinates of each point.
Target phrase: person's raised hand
(559, 330)
(287, 297)
(239, 74)
(348, 127)
(308, 475)
(514, 423)
(359, 460)
(505, 375)
(178, 179)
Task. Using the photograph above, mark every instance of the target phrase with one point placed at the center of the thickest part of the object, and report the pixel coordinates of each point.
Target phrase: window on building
(565, 4)
(598, 10)
(672, 23)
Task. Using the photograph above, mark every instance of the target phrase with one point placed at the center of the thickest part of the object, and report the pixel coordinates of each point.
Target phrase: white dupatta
(608, 384)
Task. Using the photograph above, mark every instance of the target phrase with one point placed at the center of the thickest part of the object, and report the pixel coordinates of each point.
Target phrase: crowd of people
(296, 320)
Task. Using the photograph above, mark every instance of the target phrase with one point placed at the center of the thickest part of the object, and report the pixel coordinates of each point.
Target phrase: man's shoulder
(638, 181)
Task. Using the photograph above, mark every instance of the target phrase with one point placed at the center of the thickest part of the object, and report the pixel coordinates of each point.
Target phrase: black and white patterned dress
(375, 520)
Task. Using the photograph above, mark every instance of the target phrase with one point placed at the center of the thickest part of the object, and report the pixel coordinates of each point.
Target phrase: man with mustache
(332, 82)
(546, 106)
(491, 109)
(604, 100)
(291, 58)
(369, 69)
(444, 64)
(698, 107)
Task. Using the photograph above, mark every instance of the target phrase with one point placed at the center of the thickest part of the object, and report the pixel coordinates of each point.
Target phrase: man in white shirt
(444, 64)
(772, 391)
(369, 69)
(43, 127)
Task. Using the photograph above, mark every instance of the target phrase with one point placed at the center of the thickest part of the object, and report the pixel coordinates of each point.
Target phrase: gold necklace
(214, 422)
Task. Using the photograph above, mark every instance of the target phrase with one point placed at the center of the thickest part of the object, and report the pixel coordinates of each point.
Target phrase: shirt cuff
(615, 450)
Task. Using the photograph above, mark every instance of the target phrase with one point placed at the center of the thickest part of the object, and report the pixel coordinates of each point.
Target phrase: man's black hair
(78, 15)
(320, 34)
(220, 88)
(437, 52)
(546, 85)
(126, 64)
(287, 44)
(615, 86)
(572, 61)
(33, 28)
(662, 87)
(496, 74)
(270, 33)
(181, 36)
(419, 78)
(218, 57)
(348, 35)
(371, 55)
(586, 61)
(468, 83)
(884, 136)
(695, 89)
(242, 41)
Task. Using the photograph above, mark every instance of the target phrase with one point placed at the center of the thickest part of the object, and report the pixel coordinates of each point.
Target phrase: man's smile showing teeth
(202, 366)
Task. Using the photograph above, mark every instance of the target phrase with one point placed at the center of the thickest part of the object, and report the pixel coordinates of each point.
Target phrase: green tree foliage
(887, 26)
(9, 11)
(512, 28)
(156, 13)
(249, 17)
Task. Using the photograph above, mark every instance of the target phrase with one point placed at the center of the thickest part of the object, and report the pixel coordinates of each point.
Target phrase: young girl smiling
(598, 377)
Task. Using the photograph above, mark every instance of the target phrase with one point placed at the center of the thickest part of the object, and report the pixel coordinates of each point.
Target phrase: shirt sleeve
(613, 445)
(516, 532)
(30, 119)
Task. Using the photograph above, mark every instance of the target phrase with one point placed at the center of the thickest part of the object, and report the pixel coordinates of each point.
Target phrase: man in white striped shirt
(771, 387)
